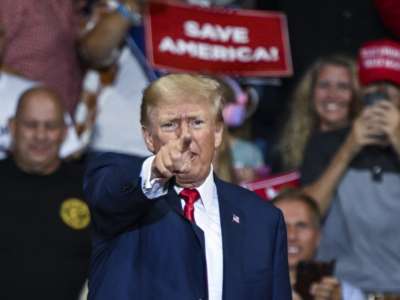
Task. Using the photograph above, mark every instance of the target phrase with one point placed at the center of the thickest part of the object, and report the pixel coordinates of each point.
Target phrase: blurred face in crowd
(191, 119)
(38, 131)
(332, 96)
(302, 231)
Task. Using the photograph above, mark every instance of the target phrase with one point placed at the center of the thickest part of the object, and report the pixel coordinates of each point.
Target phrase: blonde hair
(303, 119)
(172, 88)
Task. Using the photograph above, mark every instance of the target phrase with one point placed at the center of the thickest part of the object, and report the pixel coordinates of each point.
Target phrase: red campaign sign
(270, 187)
(181, 37)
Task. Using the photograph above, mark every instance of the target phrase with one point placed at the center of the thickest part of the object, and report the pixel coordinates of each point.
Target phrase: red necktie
(190, 196)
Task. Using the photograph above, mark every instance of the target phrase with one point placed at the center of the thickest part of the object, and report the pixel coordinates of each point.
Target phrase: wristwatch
(125, 11)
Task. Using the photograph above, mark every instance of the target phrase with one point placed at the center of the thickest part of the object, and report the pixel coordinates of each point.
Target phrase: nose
(333, 91)
(185, 132)
(291, 232)
(40, 132)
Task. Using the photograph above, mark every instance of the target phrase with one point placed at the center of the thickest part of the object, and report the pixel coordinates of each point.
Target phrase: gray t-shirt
(362, 230)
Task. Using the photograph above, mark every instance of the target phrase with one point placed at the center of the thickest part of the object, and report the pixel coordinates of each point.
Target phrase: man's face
(332, 96)
(38, 132)
(195, 123)
(303, 234)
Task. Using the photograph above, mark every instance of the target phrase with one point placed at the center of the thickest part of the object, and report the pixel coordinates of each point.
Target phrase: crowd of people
(123, 182)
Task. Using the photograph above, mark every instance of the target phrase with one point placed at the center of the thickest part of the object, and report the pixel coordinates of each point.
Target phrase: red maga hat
(379, 60)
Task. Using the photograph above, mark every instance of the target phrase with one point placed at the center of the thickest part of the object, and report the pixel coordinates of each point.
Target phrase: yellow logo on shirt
(75, 213)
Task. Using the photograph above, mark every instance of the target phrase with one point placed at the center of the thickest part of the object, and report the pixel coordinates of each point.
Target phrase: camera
(375, 97)
(309, 272)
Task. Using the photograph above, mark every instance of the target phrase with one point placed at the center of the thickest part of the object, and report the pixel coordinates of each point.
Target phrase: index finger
(330, 280)
(385, 105)
(183, 139)
(183, 143)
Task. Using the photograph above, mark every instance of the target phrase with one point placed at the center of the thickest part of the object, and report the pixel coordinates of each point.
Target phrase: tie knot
(189, 195)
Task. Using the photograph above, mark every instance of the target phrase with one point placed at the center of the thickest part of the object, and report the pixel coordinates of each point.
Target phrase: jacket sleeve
(112, 187)
(281, 282)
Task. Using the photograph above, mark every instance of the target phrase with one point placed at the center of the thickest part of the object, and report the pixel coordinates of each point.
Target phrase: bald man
(38, 129)
(44, 221)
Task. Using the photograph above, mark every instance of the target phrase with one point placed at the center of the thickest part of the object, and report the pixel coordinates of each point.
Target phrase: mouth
(39, 149)
(333, 106)
(293, 250)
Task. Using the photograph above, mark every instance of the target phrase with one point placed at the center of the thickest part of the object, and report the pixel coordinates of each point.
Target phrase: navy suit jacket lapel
(175, 203)
(232, 226)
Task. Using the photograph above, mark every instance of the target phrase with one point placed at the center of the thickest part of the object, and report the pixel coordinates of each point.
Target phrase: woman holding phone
(358, 192)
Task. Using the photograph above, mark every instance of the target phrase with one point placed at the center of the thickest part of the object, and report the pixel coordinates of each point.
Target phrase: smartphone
(375, 97)
(309, 272)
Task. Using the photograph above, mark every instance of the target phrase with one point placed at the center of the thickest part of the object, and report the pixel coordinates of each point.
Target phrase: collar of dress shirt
(207, 191)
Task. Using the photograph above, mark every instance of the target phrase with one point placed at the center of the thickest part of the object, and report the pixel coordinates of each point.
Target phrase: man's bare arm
(98, 45)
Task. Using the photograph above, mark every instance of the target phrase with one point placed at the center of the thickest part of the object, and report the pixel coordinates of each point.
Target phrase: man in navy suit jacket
(228, 245)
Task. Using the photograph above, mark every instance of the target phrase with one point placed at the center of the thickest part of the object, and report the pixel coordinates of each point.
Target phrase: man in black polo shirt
(44, 220)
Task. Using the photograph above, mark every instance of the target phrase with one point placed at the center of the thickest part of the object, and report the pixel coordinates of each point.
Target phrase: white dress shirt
(207, 217)
(350, 292)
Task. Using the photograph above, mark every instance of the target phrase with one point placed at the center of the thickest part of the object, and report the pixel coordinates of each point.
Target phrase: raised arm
(99, 45)
(112, 187)
(362, 133)
(389, 123)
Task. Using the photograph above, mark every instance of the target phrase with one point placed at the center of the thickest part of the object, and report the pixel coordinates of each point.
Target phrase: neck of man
(292, 276)
(189, 185)
(38, 169)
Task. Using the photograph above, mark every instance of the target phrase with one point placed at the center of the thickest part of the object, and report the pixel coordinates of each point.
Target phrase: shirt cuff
(152, 188)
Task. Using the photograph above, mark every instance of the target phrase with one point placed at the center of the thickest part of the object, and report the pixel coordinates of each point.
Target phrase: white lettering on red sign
(382, 63)
(381, 57)
(216, 33)
(222, 53)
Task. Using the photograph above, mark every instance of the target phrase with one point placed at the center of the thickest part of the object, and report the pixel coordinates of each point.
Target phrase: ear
(148, 139)
(218, 134)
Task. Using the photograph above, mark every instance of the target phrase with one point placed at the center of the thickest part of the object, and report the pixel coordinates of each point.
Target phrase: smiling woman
(326, 98)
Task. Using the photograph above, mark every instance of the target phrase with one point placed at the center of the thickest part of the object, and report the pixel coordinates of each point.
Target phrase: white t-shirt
(117, 127)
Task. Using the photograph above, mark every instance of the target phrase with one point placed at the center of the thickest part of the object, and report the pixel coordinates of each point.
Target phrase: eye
(30, 124)
(168, 126)
(53, 125)
(344, 86)
(197, 123)
(302, 226)
(323, 84)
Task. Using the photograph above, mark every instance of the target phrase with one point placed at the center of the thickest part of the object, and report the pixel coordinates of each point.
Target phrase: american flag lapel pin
(235, 219)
